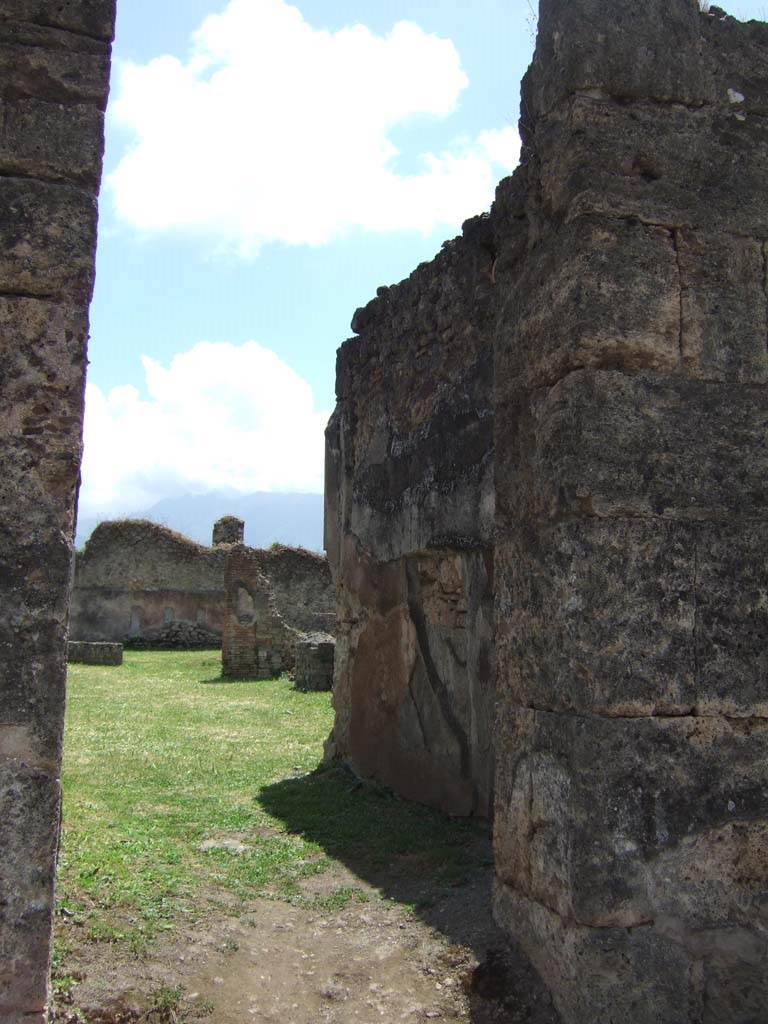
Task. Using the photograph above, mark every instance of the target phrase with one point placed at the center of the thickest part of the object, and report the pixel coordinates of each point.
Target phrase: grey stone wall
(94, 653)
(409, 531)
(631, 358)
(54, 63)
(258, 643)
(621, 543)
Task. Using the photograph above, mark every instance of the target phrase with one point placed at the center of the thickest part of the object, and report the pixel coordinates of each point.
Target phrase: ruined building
(140, 583)
(549, 452)
(54, 63)
(546, 513)
(274, 598)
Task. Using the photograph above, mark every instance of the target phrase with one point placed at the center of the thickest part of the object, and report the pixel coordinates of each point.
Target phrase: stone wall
(135, 578)
(631, 409)
(54, 63)
(409, 531)
(624, 299)
(257, 642)
(315, 654)
(80, 653)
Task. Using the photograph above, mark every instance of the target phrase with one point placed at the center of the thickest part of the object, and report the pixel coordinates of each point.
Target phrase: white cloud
(273, 130)
(219, 417)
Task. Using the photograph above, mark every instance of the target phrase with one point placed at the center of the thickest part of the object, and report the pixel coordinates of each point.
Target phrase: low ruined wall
(314, 662)
(133, 578)
(54, 63)
(79, 653)
(409, 532)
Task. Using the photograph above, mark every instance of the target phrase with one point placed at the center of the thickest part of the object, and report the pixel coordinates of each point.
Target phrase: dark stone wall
(631, 357)
(54, 66)
(409, 531)
(600, 340)
(94, 653)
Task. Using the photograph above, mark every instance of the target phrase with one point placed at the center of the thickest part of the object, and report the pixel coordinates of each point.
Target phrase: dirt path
(373, 960)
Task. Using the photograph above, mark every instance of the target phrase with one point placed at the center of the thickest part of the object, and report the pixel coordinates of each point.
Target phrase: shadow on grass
(438, 866)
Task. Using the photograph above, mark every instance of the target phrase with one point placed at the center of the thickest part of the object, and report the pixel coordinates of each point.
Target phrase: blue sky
(268, 166)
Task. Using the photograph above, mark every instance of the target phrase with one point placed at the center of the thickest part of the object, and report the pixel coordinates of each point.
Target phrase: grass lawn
(161, 756)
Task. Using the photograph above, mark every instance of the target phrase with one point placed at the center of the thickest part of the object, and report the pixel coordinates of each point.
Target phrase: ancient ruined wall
(302, 587)
(257, 642)
(409, 531)
(134, 578)
(54, 66)
(631, 362)
(628, 321)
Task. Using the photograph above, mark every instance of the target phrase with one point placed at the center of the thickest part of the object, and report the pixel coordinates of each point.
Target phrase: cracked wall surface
(618, 286)
(54, 66)
(409, 532)
(631, 351)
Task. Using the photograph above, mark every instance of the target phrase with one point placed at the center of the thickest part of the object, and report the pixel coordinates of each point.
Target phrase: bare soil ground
(402, 949)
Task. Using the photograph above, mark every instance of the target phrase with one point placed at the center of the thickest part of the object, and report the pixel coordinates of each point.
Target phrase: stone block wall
(409, 531)
(619, 552)
(54, 63)
(94, 653)
(314, 662)
(631, 358)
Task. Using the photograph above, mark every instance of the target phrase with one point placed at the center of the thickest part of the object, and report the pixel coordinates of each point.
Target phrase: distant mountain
(295, 519)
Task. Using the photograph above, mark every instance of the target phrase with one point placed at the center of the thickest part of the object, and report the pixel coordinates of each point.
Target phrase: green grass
(160, 755)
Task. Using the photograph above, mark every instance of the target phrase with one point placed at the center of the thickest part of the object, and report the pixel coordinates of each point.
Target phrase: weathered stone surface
(94, 653)
(94, 18)
(608, 444)
(51, 141)
(257, 642)
(595, 160)
(228, 530)
(599, 617)
(620, 282)
(314, 662)
(46, 233)
(604, 864)
(52, 66)
(29, 812)
(578, 50)
(589, 825)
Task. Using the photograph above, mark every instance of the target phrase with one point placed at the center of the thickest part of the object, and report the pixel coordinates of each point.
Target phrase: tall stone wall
(54, 65)
(631, 361)
(622, 291)
(409, 531)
